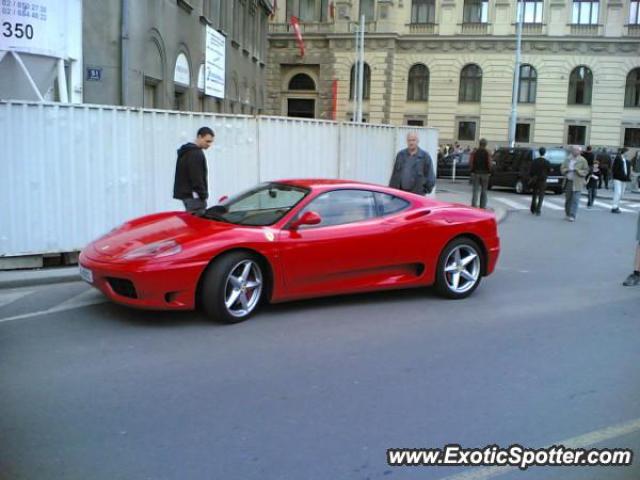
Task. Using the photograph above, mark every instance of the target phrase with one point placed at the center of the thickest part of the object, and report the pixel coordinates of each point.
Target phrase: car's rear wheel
(459, 269)
(232, 287)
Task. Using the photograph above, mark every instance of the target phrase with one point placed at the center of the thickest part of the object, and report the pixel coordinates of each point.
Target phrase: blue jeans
(572, 199)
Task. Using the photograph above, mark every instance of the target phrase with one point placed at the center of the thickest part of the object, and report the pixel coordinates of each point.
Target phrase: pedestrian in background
(191, 183)
(634, 278)
(480, 163)
(413, 169)
(588, 155)
(635, 169)
(621, 176)
(605, 164)
(538, 173)
(575, 169)
(592, 183)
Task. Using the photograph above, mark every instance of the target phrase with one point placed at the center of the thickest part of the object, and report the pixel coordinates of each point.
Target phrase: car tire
(520, 188)
(232, 287)
(449, 265)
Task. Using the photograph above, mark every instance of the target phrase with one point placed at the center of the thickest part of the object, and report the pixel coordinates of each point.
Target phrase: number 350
(18, 30)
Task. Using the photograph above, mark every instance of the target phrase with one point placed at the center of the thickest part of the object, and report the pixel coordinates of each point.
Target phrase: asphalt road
(545, 352)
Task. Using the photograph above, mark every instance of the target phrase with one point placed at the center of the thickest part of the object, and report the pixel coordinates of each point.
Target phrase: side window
(342, 206)
(388, 204)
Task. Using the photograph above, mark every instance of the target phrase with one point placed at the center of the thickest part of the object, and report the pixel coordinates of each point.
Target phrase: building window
(423, 11)
(523, 132)
(632, 137)
(585, 12)
(467, 131)
(150, 99)
(366, 84)
(632, 90)
(532, 10)
(368, 9)
(418, 85)
(415, 123)
(580, 85)
(476, 11)
(577, 135)
(634, 12)
(302, 81)
(527, 87)
(308, 10)
(470, 84)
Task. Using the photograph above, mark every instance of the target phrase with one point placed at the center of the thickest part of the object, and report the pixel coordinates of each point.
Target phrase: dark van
(511, 168)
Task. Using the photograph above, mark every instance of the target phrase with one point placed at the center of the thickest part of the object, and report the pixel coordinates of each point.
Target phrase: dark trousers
(537, 196)
(480, 182)
(572, 199)
(194, 205)
(604, 177)
(591, 191)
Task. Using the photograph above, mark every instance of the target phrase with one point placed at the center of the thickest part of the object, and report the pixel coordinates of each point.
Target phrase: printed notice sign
(215, 57)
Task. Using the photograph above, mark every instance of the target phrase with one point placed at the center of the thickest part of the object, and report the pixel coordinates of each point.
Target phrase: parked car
(463, 167)
(293, 239)
(511, 168)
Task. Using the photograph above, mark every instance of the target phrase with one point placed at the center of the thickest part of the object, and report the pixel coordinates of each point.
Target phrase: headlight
(155, 250)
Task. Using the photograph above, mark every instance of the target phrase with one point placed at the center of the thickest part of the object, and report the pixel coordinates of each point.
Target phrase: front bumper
(161, 286)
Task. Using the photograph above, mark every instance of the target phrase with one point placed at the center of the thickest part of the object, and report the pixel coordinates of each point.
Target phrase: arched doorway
(301, 99)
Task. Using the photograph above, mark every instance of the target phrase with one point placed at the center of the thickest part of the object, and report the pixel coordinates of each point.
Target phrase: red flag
(332, 11)
(296, 28)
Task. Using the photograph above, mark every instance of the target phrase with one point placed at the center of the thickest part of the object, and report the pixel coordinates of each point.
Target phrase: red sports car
(293, 239)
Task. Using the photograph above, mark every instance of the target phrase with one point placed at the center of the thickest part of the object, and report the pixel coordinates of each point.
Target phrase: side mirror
(308, 218)
(223, 198)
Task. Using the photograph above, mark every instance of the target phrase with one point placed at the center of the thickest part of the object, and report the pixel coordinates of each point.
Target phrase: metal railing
(475, 28)
(425, 28)
(633, 30)
(305, 27)
(585, 30)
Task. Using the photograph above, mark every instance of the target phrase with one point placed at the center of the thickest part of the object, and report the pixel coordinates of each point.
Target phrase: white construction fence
(72, 172)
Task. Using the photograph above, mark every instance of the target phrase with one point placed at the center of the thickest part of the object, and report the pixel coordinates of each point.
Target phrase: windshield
(556, 157)
(260, 206)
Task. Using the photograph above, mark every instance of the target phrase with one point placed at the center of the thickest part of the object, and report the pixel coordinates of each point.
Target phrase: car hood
(181, 227)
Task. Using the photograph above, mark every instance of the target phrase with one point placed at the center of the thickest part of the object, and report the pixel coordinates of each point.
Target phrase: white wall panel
(73, 172)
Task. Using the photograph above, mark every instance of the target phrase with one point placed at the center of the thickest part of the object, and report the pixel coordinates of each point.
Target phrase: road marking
(84, 299)
(511, 203)
(551, 205)
(609, 206)
(581, 441)
(9, 297)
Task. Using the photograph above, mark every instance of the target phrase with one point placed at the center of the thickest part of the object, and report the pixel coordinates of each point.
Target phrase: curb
(32, 278)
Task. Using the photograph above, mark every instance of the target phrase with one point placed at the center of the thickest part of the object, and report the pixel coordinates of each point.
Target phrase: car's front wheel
(459, 269)
(232, 287)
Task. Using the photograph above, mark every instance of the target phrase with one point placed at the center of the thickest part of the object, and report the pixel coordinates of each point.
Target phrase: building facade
(151, 53)
(449, 64)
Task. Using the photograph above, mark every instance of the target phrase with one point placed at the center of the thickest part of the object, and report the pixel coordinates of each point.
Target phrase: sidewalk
(41, 276)
(445, 194)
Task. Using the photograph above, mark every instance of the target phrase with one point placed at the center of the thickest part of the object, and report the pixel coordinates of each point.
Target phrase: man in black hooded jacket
(191, 185)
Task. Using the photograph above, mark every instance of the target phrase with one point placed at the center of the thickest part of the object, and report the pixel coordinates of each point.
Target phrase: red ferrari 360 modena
(293, 239)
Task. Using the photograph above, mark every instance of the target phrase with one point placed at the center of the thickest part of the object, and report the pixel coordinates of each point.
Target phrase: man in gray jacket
(413, 169)
(575, 169)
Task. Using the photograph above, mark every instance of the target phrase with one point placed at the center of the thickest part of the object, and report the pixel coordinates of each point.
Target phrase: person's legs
(617, 193)
(591, 196)
(484, 186)
(568, 194)
(474, 193)
(573, 208)
(541, 189)
(193, 205)
(634, 278)
(534, 199)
